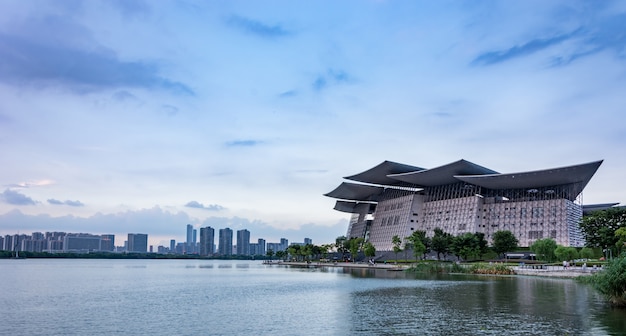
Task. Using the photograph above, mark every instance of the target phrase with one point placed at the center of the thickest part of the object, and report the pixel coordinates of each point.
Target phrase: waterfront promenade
(531, 270)
(555, 271)
(314, 264)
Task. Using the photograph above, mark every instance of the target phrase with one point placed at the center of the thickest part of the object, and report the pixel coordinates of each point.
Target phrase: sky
(145, 116)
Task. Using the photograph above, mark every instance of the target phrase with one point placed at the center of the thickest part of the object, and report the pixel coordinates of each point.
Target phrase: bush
(497, 269)
(612, 282)
(430, 267)
(587, 253)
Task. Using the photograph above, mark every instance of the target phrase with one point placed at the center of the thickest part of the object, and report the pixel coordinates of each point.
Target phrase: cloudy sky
(144, 116)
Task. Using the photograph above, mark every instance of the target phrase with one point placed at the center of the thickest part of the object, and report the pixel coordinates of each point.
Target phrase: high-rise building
(107, 242)
(225, 246)
(81, 242)
(137, 242)
(394, 199)
(207, 239)
(8, 243)
(172, 245)
(243, 242)
(189, 239)
(261, 247)
(308, 241)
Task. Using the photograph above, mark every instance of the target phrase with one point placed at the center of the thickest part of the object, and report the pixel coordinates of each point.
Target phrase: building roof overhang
(589, 208)
(356, 192)
(353, 207)
(379, 174)
(442, 175)
(577, 174)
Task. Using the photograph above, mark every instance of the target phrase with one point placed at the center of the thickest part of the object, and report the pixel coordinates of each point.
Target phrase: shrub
(587, 253)
(612, 282)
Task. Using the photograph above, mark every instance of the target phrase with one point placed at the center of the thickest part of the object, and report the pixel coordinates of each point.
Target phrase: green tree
(324, 249)
(441, 243)
(406, 246)
(416, 240)
(465, 245)
(294, 251)
(586, 253)
(396, 241)
(342, 245)
(306, 252)
(483, 246)
(564, 253)
(504, 241)
(369, 250)
(599, 227)
(621, 242)
(270, 253)
(544, 249)
(355, 246)
(426, 241)
(281, 255)
(316, 251)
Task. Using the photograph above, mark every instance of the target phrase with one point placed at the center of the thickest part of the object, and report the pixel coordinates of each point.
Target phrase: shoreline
(551, 272)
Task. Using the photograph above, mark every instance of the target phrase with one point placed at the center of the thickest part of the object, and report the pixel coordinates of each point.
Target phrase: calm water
(197, 297)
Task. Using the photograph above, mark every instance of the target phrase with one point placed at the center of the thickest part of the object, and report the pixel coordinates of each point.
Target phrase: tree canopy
(504, 241)
(355, 246)
(566, 253)
(441, 242)
(396, 241)
(369, 250)
(465, 246)
(417, 239)
(599, 227)
(544, 249)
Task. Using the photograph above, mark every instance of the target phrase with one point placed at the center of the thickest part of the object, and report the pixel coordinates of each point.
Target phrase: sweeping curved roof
(445, 174)
(536, 179)
(356, 192)
(379, 174)
(575, 177)
(352, 207)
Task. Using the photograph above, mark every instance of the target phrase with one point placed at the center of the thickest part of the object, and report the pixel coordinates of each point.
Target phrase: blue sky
(143, 116)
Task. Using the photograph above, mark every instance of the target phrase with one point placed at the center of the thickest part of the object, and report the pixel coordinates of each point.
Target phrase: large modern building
(460, 197)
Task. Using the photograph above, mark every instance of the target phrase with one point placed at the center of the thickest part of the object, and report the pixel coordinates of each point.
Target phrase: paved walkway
(546, 271)
(339, 264)
(556, 271)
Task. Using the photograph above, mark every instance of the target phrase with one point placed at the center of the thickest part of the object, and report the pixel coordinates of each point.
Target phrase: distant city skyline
(61, 241)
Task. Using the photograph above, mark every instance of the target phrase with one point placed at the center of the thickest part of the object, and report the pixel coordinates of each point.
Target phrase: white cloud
(258, 138)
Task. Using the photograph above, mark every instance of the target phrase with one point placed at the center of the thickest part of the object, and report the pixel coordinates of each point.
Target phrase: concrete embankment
(339, 264)
(545, 271)
(556, 271)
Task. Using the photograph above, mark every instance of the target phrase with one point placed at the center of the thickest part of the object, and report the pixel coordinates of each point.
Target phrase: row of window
(390, 221)
(394, 206)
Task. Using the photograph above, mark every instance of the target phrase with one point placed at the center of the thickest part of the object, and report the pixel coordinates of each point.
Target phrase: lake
(219, 297)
